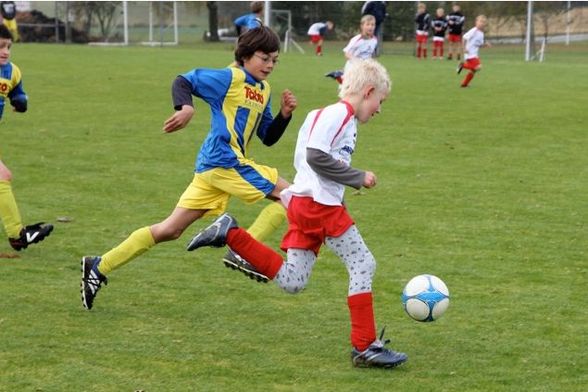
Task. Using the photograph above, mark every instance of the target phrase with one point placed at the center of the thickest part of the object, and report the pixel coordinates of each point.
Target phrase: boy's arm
(278, 126)
(182, 100)
(327, 166)
(18, 98)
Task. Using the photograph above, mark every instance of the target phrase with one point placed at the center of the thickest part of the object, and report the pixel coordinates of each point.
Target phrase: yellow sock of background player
(268, 221)
(136, 244)
(9, 211)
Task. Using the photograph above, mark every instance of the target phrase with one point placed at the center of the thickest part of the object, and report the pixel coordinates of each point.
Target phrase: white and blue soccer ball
(425, 298)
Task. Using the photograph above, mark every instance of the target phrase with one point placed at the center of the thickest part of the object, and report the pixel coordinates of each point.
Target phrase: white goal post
(161, 17)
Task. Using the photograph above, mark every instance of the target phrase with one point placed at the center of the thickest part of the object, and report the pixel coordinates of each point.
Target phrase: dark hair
(261, 38)
(256, 6)
(5, 33)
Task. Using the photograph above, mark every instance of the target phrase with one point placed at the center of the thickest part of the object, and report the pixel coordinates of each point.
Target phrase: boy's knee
(292, 288)
(5, 175)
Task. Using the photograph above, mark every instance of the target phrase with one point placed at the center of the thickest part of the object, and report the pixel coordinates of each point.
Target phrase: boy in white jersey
(362, 46)
(473, 40)
(316, 213)
(316, 32)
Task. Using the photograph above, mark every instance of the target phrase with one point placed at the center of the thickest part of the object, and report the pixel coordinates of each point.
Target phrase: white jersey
(333, 130)
(315, 28)
(474, 40)
(362, 48)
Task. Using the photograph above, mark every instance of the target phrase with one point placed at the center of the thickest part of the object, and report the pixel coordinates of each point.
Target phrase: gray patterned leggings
(360, 263)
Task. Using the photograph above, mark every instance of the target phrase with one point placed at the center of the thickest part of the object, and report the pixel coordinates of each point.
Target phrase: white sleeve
(351, 45)
(468, 35)
(327, 125)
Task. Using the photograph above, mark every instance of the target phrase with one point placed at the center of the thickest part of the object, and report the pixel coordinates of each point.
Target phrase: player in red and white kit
(473, 40)
(423, 24)
(439, 26)
(316, 213)
(362, 46)
(316, 32)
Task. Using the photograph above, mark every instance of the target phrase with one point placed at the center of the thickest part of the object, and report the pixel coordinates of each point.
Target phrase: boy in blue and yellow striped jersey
(240, 102)
(11, 90)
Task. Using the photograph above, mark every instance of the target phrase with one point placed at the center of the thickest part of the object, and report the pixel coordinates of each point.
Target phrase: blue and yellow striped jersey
(240, 106)
(10, 85)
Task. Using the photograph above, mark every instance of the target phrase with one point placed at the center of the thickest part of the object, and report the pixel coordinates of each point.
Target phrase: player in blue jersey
(251, 20)
(239, 98)
(11, 91)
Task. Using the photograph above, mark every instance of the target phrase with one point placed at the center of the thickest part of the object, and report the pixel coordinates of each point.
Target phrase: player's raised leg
(19, 236)
(95, 269)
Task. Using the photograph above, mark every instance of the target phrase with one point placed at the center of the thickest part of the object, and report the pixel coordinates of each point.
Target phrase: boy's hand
(179, 120)
(369, 181)
(288, 103)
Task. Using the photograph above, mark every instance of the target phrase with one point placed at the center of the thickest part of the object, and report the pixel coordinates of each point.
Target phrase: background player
(439, 25)
(455, 21)
(251, 20)
(240, 100)
(423, 24)
(316, 213)
(11, 89)
(473, 40)
(362, 46)
(316, 32)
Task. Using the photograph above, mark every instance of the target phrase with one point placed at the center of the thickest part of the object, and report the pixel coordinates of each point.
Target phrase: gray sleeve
(327, 166)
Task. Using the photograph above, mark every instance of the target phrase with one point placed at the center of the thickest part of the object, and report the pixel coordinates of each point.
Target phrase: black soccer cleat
(234, 261)
(334, 74)
(92, 280)
(214, 235)
(459, 68)
(377, 356)
(31, 235)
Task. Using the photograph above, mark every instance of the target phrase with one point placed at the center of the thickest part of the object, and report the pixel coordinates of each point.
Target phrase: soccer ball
(425, 298)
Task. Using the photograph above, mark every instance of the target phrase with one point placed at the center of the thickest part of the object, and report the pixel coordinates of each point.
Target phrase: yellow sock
(268, 221)
(9, 211)
(136, 244)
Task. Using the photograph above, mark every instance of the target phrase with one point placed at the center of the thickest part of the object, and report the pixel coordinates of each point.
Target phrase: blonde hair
(361, 73)
(367, 18)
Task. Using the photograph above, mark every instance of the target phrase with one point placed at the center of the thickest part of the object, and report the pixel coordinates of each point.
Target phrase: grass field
(484, 187)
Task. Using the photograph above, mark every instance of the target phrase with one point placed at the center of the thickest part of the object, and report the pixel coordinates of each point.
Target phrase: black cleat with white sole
(31, 235)
(377, 356)
(234, 261)
(214, 235)
(92, 280)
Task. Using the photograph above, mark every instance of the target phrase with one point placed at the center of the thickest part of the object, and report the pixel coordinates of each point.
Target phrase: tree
(213, 20)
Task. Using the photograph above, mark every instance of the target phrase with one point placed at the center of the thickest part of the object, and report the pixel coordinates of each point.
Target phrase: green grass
(485, 187)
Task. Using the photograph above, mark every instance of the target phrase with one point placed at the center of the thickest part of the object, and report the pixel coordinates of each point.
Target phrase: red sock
(441, 49)
(339, 79)
(319, 49)
(425, 52)
(419, 50)
(363, 327)
(265, 259)
(467, 79)
(435, 50)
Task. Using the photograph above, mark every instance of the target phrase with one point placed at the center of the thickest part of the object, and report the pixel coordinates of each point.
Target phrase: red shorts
(473, 63)
(315, 38)
(454, 37)
(309, 223)
(422, 38)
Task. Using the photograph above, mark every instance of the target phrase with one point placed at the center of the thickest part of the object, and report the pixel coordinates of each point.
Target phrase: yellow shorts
(210, 190)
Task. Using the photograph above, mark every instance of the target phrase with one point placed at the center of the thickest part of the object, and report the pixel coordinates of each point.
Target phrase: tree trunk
(213, 20)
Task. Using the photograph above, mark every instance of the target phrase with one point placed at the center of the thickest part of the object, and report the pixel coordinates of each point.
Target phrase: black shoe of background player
(31, 235)
(214, 235)
(459, 67)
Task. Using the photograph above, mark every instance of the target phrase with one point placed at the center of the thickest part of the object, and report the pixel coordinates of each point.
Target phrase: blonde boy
(473, 40)
(362, 46)
(316, 213)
